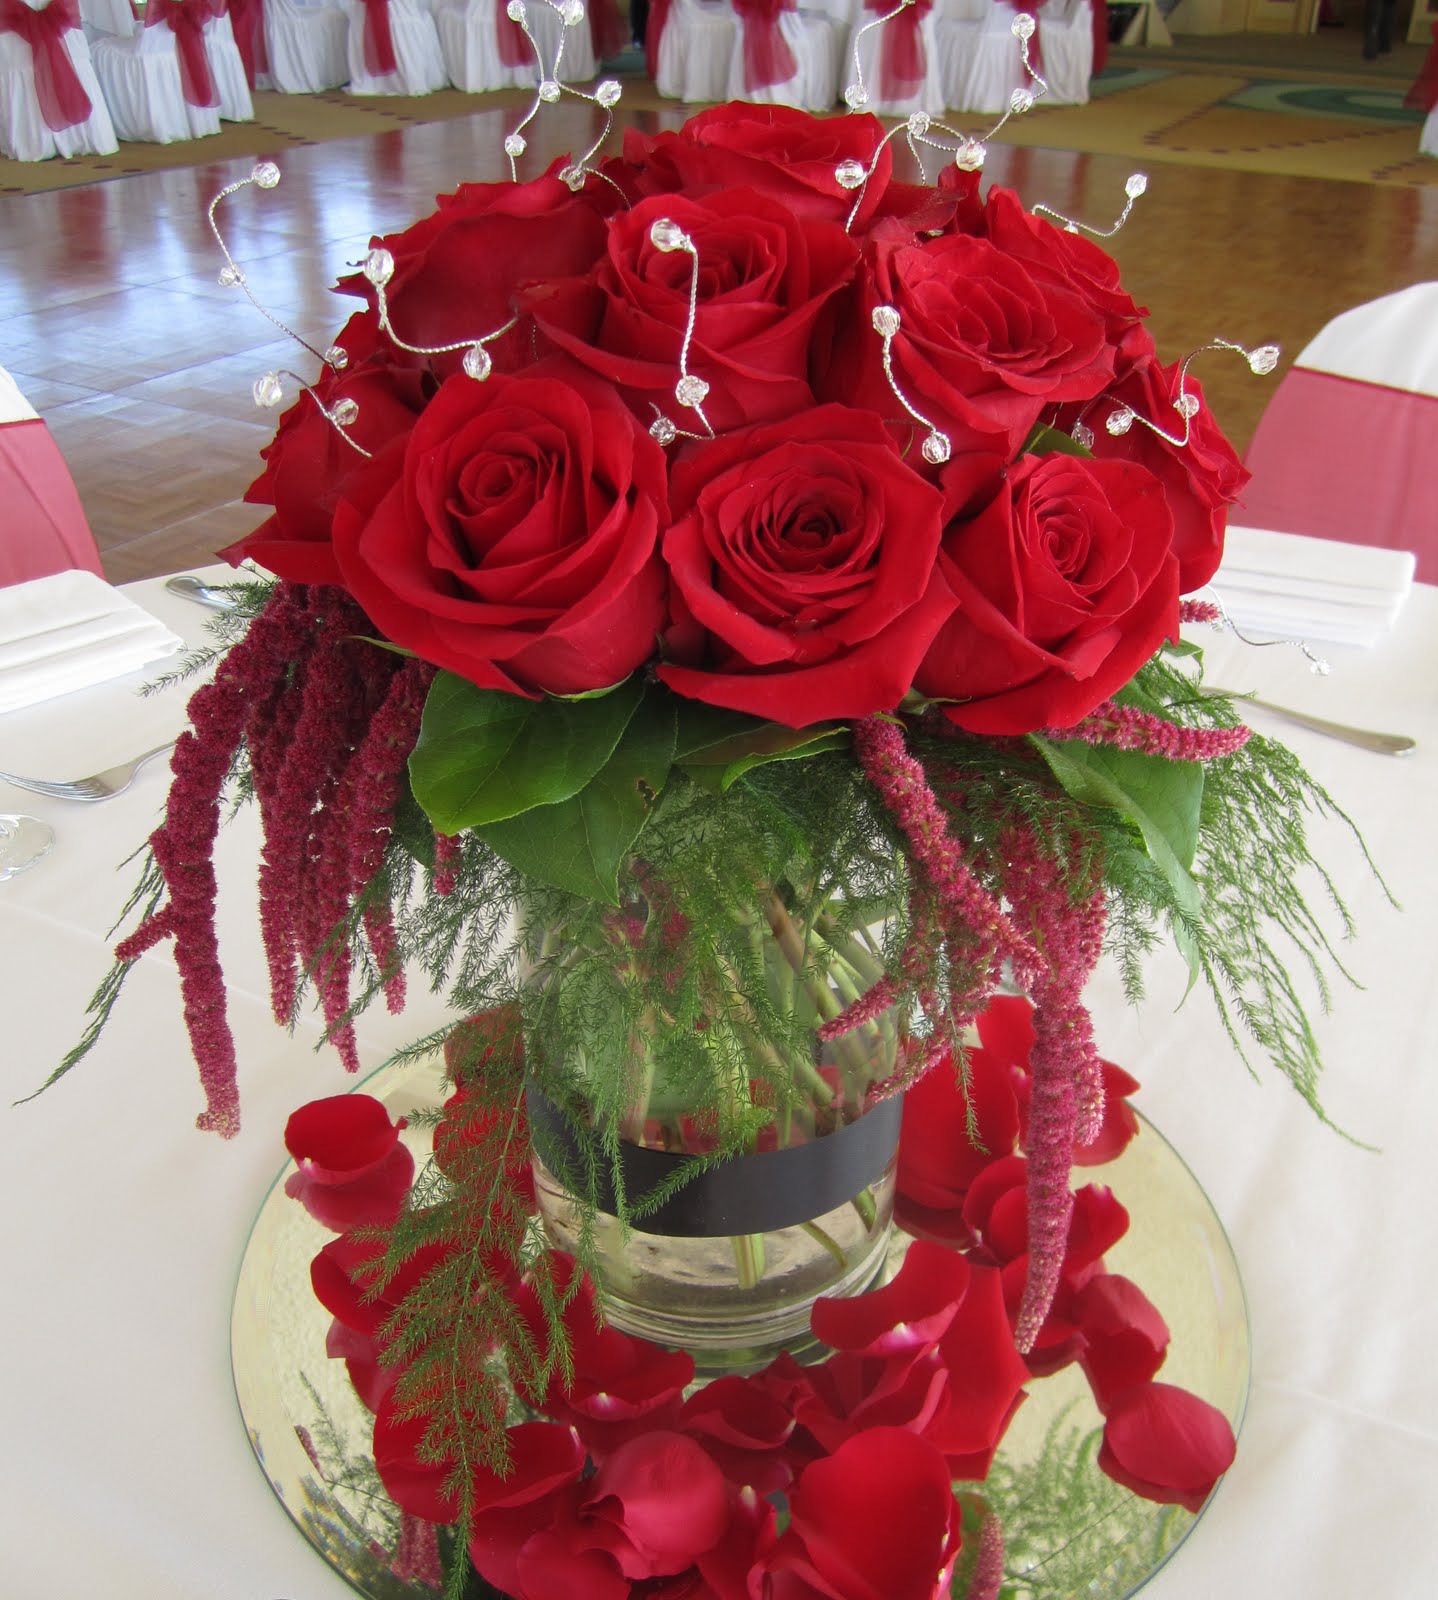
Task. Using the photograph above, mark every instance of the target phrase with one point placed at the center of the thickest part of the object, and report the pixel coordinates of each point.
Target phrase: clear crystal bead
(477, 363)
(691, 391)
(918, 123)
(856, 97)
(548, 90)
(268, 391)
(1264, 359)
(663, 430)
(1136, 185)
(573, 13)
(515, 144)
(573, 178)
(850, 174)
(230, 276)
(1119, 422)
(936, 449)
(969, 157)
(337, 358)
(266, 175)
(666, 235)
(886, 321)
(345, 412)
(1082, 435)
(608, 92)
(1186, 405)
(515, 11)
(1022, 26)
(1020, 101)
(1320, 669)
(378, 266)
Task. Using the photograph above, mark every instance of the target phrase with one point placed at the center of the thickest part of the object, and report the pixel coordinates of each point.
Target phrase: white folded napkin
(71, 631)
(14, 407)
(1290, 586)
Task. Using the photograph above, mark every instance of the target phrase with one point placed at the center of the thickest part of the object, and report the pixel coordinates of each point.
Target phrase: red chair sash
(186, 20)
(903, 60)
(653, 33)
(379, 56)
(1099, 8)
(58, 90)
(1423, 96)
(607, 30)
(247, 18)
(514, 49)
(767, 57)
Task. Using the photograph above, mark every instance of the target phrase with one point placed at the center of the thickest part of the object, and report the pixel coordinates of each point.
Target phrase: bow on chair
(767, 56)
(58, 90)
(187, 19)
(379, 56)
(903, 58)
(247, 18)
(514, 48)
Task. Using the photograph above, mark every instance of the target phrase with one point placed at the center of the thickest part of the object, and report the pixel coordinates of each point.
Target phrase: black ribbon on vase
(755, 1193)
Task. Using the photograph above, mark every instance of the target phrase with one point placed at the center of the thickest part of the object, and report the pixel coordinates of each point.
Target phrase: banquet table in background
(1347, 448)
(42, 523)
(131, 1476)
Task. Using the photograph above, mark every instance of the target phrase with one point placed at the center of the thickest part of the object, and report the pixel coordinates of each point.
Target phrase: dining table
(129, 1474)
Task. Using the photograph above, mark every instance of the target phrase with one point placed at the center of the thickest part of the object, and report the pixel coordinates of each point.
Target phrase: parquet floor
(113, 324)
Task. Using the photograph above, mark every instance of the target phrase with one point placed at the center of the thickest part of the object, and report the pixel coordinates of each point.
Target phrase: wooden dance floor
(115, 328)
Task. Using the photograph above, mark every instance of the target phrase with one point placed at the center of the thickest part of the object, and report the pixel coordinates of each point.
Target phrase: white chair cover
(577, 64)
(1065, 38)
(308, 45)
(1428, 139)
(817, 43)
(24, 135)
(108, 16)
(468, 42)
(228, 68)
(695, 50)
(928, 94)
(979, 61)
(419, 66)
(140, 79)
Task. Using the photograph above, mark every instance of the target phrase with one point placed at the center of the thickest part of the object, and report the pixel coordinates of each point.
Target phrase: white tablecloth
(128, 1472)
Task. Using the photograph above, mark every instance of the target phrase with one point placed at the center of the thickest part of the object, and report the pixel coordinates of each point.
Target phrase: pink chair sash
(58, 90)
(186, 19)
(247, 18)
(903, 60)
(379, 56)
(45, 526)
(607, 30)
(653, 33)
(514, 48)
(767, 57)
(1423, 96)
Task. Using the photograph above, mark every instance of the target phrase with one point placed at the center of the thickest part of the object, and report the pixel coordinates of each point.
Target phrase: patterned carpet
(1229, 103)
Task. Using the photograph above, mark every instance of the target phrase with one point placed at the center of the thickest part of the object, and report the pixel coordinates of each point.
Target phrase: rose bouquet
(726, 633)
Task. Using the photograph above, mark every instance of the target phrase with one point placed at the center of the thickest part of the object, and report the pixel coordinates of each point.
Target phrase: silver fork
(98, 786)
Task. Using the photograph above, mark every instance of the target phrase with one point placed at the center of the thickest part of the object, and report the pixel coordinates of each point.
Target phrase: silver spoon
(1384, 744)
(189, 587)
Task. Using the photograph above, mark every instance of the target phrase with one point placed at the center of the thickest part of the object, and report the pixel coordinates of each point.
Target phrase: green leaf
(484, 755)
(1046, 441)
(835, 739)
(1161, 798)
(762, 742)
(702, 726)
(580, 843)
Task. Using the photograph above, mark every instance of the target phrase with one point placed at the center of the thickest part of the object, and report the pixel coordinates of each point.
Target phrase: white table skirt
(129, 1474)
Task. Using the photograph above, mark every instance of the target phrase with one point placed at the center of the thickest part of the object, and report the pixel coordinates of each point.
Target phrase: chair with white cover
(308, 45)
(483, 48)
(980, 65)
(696, 41)
(158, 82)
(1065, 50)
(227, 67)
(50, 100)
(898, 60)
(785, 57)
(393, 48)
(107, 16)
(577, 63)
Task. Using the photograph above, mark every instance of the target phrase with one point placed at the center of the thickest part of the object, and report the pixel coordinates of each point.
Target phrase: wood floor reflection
(114, 326)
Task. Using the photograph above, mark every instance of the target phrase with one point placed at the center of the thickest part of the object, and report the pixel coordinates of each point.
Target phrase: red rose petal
(1166, 1444)
(907, 1314)
(667, 1497)
(1125, 1338)
(338, 1139)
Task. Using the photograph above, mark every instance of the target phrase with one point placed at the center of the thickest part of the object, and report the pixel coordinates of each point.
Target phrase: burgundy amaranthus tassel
(184, 843)
(1199, 611)
(988, 1574)
(446, 863)
(1130, 728)
(416, 1559)
(1066, 1103)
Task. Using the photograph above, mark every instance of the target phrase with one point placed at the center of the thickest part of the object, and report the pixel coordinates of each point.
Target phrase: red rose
(984, 347)
(776, 150)
(1200, 479)
(802, 558)
(1066, 583)
(1166, 1445)
(458, 271)
(308, 466)
(352, 1168)
(512, 537)
(765, 278)
(878, 1517)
